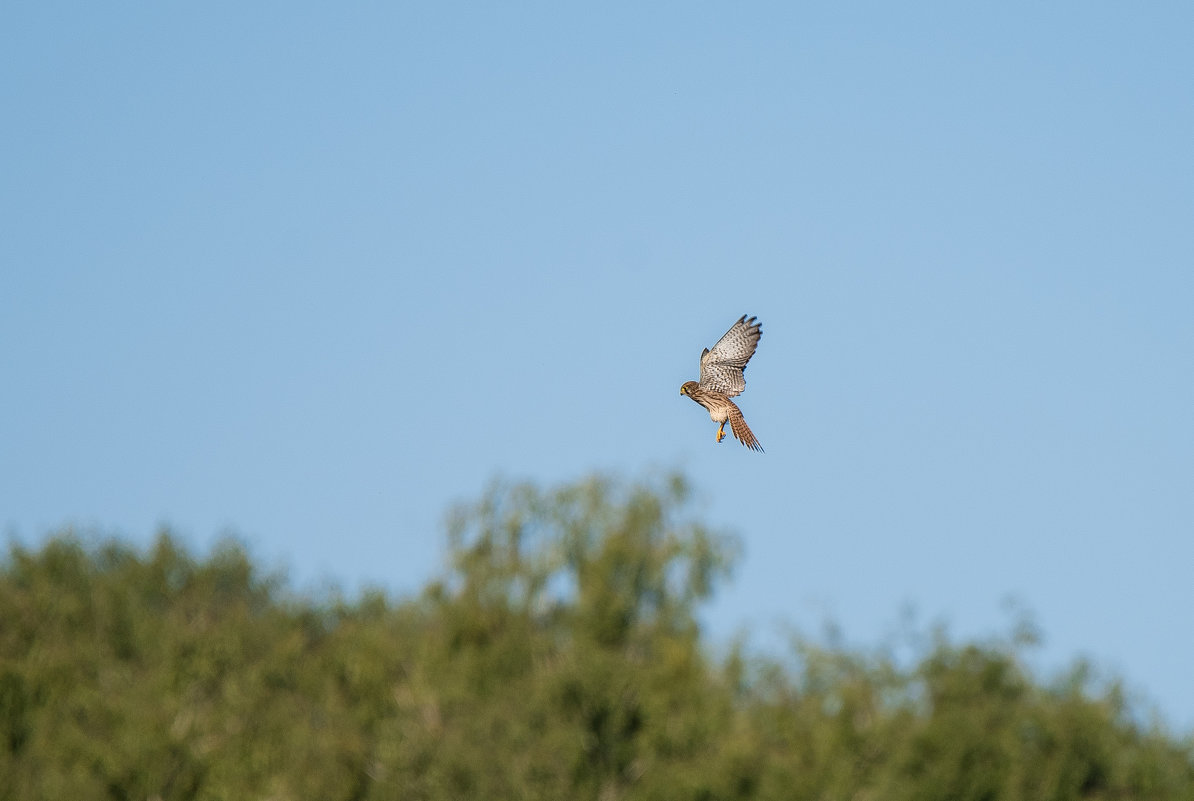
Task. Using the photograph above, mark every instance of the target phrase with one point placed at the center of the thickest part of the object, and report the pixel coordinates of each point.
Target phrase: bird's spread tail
(742, 430)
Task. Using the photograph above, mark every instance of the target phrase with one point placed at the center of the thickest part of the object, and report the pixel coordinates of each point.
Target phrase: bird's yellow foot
(721, 433)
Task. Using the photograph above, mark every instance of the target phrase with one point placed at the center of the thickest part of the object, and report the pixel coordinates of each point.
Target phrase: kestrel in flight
(722, 379)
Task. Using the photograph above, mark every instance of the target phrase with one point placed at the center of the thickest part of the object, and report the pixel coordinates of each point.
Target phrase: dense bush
(559, 657)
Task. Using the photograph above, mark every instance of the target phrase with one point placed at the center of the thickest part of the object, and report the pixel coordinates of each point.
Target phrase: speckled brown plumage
(722, 378)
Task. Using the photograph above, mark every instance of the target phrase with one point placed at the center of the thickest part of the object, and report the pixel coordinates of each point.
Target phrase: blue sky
(312, 273)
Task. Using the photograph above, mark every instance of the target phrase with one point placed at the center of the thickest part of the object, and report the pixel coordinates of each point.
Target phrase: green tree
(559, 656)
(566, 632)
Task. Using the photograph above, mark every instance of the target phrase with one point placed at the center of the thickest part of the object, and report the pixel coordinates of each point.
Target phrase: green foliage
(559, 657)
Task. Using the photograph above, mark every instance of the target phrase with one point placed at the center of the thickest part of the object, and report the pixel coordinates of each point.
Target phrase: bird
(722, 379)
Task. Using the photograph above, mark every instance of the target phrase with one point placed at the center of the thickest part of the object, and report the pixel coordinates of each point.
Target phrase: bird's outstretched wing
(722, 365)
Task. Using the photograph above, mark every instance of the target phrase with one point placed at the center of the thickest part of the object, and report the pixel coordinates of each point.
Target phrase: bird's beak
(682, 390)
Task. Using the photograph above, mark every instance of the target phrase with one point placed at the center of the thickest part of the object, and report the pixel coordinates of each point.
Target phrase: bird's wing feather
(722, 365)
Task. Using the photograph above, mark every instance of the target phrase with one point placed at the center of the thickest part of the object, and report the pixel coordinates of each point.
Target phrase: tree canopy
(558, 656)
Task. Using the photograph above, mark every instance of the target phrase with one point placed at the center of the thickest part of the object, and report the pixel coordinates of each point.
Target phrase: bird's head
(687, 387)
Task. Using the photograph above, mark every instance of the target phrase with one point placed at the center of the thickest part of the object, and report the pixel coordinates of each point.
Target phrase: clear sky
(311, 273)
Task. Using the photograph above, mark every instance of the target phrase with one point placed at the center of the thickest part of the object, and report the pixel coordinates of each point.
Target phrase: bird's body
(719, 412)
(722, 378)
